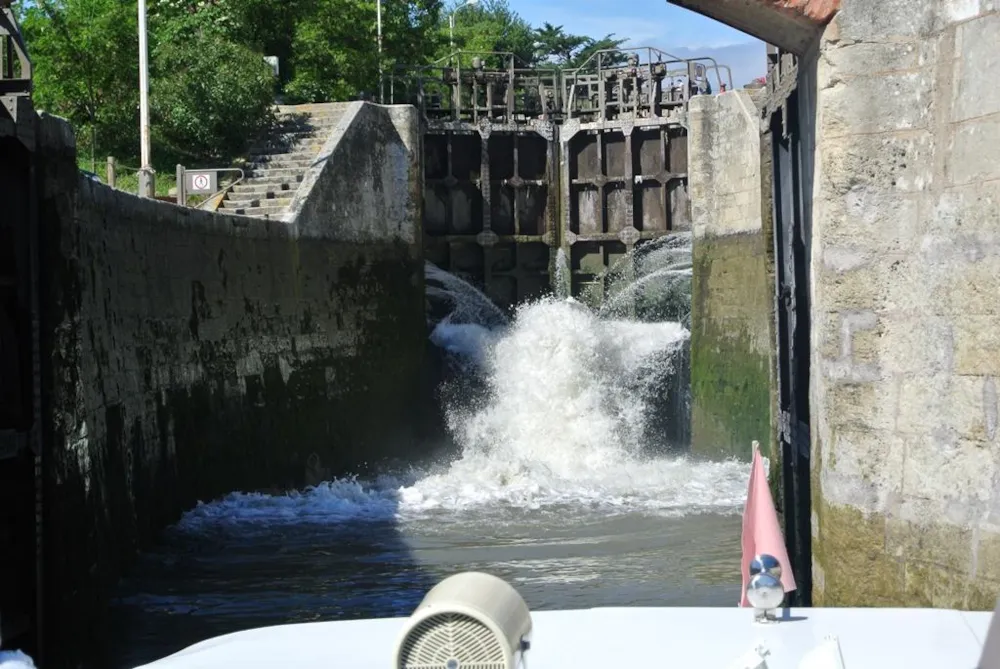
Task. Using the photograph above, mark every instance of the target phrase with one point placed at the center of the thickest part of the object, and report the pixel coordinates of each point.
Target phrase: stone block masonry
(732, 336)
(187, 354)
(906, 306)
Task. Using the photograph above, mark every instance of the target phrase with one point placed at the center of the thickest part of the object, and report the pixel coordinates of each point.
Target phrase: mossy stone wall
(732, 331)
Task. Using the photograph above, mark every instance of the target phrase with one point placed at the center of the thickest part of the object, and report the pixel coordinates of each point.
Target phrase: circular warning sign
(200, 182)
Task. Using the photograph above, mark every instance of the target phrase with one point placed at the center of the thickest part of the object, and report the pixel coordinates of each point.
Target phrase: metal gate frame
(486, 93)
(792, 284)
(629, 235)
(460, 96)
(488, 239)
(604, 97)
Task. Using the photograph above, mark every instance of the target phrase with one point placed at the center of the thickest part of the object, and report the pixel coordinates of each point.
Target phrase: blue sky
(653, 23)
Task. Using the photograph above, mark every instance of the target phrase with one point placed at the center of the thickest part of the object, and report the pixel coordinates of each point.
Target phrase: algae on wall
(732, 325)
(730, 346)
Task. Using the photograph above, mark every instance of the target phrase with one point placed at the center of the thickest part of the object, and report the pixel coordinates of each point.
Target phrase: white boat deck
(680, 638)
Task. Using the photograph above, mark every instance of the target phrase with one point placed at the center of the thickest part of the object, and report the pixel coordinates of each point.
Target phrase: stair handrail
(215, 197)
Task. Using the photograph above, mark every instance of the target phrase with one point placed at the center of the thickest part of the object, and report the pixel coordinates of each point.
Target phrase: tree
(77, 47)
(492, 26)
(553, 46)
(335, 45)
(209, 95)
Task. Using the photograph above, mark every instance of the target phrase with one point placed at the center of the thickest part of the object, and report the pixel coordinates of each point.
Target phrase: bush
(209, 97)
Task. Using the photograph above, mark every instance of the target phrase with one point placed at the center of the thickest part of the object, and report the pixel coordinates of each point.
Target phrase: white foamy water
(562, 426)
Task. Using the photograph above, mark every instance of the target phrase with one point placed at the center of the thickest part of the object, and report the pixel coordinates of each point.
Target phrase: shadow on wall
(188, 354)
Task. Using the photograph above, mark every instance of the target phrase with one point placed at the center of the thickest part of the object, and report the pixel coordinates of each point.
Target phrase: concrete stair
(278, 162)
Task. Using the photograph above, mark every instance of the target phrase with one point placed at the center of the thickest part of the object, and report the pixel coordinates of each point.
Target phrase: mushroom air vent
(468, 621)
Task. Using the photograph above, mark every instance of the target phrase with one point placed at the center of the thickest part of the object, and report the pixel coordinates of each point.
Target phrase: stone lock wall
(906, 306)
(188, 354)
(732, 336)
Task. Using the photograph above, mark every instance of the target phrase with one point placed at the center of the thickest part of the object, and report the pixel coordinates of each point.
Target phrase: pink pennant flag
(761, 530)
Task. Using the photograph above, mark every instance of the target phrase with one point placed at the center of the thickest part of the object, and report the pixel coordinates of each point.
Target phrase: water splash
(569, 413)
(653, 283)
(566, 419)
(567, 390)
(452, 300)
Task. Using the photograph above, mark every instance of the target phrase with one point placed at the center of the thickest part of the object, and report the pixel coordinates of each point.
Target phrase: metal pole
(145, 172)
(378, 14)
(451, 21)
(181, 186)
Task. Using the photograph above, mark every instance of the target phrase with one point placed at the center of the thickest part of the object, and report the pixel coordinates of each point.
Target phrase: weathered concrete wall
(906, 306)
(361, 188)
(731, 313)
(189, 354)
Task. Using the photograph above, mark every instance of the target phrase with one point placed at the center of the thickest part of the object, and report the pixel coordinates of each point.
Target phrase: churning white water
(563, 422)
(559, 483)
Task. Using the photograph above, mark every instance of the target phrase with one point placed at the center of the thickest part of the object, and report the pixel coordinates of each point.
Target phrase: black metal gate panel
(489, 169)
(623, 182)
(791, 251)
(489, 206)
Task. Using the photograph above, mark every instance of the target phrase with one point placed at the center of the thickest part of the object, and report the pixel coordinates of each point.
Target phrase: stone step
(262, 203)
(300, 130)
(284, 172)
(261, 194)
(301, 159)
(282, 187)
(304, 148)
(280, 162)
(273, 181)
(298, 113)
(258, 212)
(308, 122)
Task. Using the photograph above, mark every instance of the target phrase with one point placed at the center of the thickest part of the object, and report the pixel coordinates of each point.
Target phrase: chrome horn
(764, 590)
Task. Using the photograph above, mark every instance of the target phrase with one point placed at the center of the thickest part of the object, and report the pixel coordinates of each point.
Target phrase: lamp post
(451, 20)
(378, 28)
(146, 184)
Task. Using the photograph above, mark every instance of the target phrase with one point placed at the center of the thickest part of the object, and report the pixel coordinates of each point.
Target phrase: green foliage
(554, 46)
(209, 95)
(334, 58)
(335, 55)
(77, 48)
(490, 26)
(210, 91)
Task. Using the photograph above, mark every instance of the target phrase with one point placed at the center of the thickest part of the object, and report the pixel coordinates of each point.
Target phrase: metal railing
(472, 87)
(214, 198)
(469, 87)
(603, 88)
